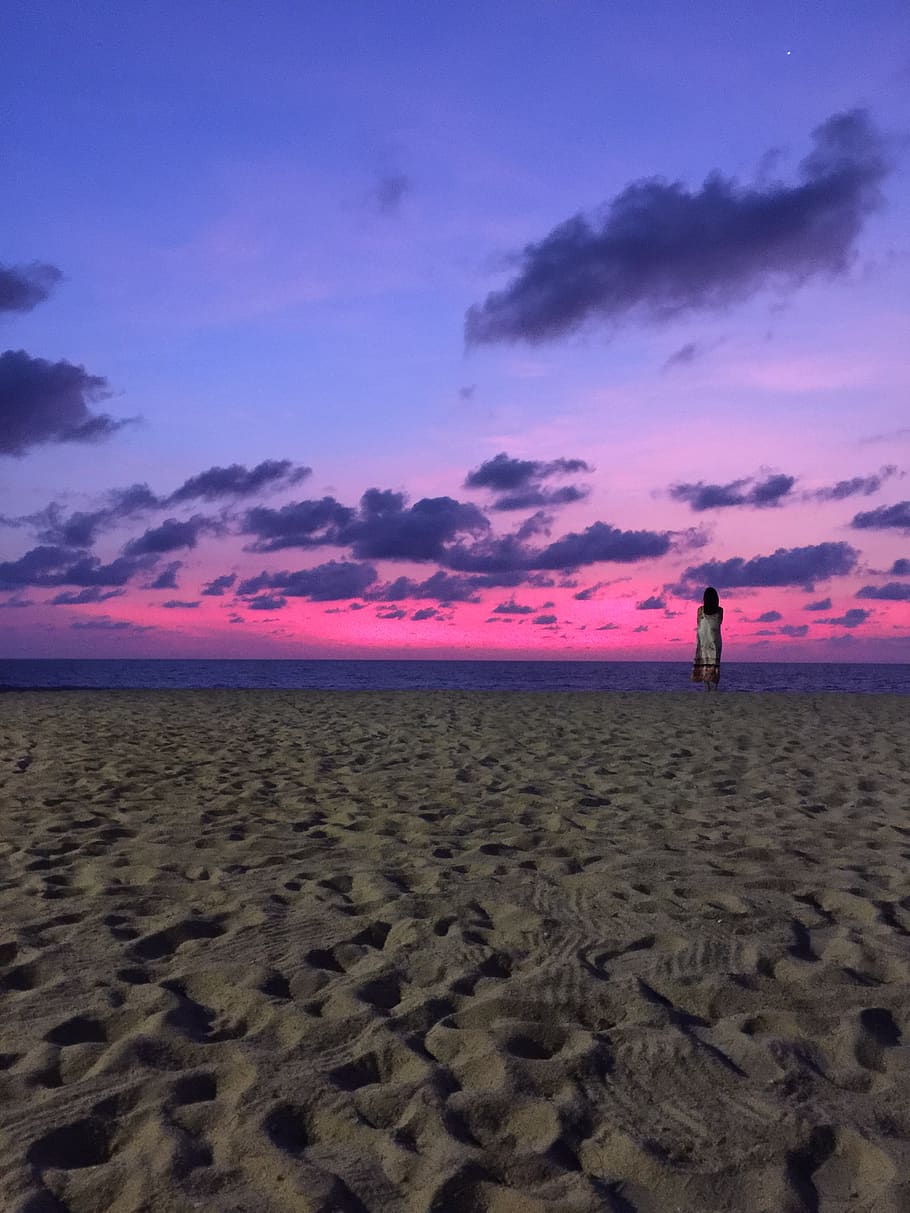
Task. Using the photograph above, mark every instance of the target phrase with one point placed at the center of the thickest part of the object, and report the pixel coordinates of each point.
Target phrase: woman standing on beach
(709, 642)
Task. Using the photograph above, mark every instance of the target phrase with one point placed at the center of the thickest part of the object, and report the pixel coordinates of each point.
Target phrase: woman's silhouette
(709, 643)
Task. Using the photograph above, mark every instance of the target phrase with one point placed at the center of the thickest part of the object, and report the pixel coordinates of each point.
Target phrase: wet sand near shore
(438, 952)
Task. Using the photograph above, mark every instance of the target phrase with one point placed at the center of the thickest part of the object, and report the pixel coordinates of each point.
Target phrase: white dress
(708, 647)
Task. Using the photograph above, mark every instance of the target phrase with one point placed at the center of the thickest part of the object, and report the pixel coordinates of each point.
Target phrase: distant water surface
(52, 674)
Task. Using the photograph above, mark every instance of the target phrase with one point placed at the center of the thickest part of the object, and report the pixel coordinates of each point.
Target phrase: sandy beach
(454, 953)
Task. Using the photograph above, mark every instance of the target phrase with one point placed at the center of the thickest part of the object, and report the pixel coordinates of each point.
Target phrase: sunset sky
(339, 329)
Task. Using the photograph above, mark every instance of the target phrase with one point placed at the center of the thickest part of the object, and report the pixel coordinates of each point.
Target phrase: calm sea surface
(446, 676)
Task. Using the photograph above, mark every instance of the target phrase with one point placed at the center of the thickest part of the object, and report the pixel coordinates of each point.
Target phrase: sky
(484, 330)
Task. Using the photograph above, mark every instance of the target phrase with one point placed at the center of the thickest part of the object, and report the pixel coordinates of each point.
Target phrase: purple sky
(442, 330)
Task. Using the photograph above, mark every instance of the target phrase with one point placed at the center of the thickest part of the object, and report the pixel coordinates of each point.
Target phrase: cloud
(389, 191)
(893, 591)
(444, 587)
(42, 402)
(425, 613)
(601, 542)
(768, 617)
(794, 629)
(537, 496)
(786, 566)
(608, 627)
(394, 613)
(855, 486)
(25, 286)
(544, 619)
(388, 529)
(886, 517)
(238, 481)
(763, 493)
(682, 357)
(901, 567)
(539, 523)
(81, 528)
(267, 602)
(659, 249)
(91, 593)
(324, 583)
(503, 473)
(217, 586)
(850, 619)
(17, 602)
(301, 524)
(823, 604)
(48, 565)
(167, 578)
(172, 535)
(654, 603)
(175, 604)
(513, 608)
(642, 627)
(104, 623)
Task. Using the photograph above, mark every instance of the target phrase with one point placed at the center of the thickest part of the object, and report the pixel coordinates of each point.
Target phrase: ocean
(53, 674)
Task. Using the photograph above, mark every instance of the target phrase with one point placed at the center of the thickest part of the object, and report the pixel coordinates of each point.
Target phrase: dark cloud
(654, 603)
(301, 524)
(507, 555)
(48, 565)
(238, 481)
(217, 586)
(642, 627)
(901, 567)
(601, 542)
(893, 591)
(444, 587)
(659, 249)
(81, 528)
(761, 494)
(324, 583)
(886, 517)
(850, 619)
(105, 624)
(539, 523)
(467, 391)
(608, 627)
(176, 604)
(682, 357)
(823, 604)
(172, 535)
(23, 287)
(513, 608)
(794, 629)
(855, 486)
(91, 593)
(388, 529)
(17, 602)
(786, 566)
(768, 617)
(167, 578)
(527, 499)
(502, 473)
(425, 613)
(395, 613)
(389, 191)
(544, 619)
(43, 402)
(267, 602)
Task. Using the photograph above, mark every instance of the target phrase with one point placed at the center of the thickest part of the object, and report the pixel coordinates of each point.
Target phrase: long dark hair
(711, 601)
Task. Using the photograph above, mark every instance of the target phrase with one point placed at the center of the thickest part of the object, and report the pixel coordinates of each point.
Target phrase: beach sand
(460, 953)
